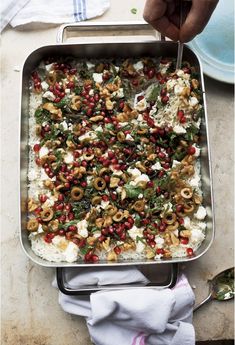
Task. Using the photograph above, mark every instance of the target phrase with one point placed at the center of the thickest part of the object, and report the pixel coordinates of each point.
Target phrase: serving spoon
(221, 287)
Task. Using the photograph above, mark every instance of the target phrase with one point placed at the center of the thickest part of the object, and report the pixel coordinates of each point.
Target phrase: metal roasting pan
(109, 40)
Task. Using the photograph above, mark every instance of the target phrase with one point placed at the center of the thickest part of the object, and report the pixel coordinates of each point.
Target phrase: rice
(60, 249)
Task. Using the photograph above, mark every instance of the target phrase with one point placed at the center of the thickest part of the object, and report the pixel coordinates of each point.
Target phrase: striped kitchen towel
(33, 12)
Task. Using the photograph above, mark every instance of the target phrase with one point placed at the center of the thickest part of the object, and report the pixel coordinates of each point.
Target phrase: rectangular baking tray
(127, 48)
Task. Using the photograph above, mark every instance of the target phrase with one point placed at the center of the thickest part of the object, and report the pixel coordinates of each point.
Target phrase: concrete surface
(30, 311)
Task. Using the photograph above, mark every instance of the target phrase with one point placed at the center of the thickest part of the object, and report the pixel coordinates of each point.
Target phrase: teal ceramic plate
(215, 45)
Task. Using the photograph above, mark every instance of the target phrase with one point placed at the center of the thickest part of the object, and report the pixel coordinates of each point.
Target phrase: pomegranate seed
(162, 227)
(183, 119)
(163, 92)
(36, 148)
(135, 82)
(130, 220)
(43, 198)
(161, 155)
(83, 184)
(180, 114)
(84, 163)
(113, 196)
(151, 73)
(47, 239)
(88, 256)
(191, 150)
(62, 218)
(190, 251)
(105, 198)
(106, 163)
(101, 238)
(57, 100)
(165, 99)
(70, 85)
(160, 251)
(104, 231)
(179, 208)
(152, 244)
(158, 190)
(68, 207)
(59, 207)
(61, 197)
(67, 185)
(71, 216)
(181, 221)
(166, 166)
(72, 228)
(117, 250)
(123, 236)
(61, 232)
(107, 178)
(117, 166)
(150, 122)
(94, 258)
(184, 240)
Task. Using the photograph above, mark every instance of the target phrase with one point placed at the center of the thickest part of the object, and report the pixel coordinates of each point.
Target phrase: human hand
(164, 16)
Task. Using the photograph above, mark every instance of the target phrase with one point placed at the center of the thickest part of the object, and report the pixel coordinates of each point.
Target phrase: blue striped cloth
(31, 12)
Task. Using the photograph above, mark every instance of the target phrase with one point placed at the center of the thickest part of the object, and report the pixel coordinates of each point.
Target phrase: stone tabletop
(31, 314)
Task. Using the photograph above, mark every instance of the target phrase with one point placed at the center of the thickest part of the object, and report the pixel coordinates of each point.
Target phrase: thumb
(197, 18)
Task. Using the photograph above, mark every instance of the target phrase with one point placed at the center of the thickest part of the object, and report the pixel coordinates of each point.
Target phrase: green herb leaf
(134, 10)
(132, 191)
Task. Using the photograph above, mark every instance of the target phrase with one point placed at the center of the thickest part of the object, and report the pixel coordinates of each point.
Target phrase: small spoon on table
(221, 287)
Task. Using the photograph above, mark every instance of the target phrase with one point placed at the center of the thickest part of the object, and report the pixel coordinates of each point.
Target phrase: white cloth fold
(136, 316)
(23, 12)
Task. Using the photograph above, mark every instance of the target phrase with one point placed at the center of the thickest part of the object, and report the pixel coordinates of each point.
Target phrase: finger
(198, 17)
(155, 14)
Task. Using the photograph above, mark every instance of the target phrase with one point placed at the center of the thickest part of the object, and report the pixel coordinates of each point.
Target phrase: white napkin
(136, 316)
(23, 12)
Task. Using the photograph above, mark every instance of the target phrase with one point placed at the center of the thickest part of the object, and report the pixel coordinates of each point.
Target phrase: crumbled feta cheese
(175, 163)
(44, 85)
(43, 151)
(138, 66)
(156, 166)
(197, 152)
(187, 222)
(99, 129)
(119, 93)
(159, 241)
(91, 92)
(197, 236)
(68, 158)
(140, 196)
(98, 77)
(168, 207)
(134, 232)
(49, 67)
(104, 204)
(179, 129)
(49, 95)
(67, 91)
(138, 178)
(88, 135)
(180, 73)
(43, 175)
(134, 172)
(64, 124)
(129, 137)
(71, 252)
(140, 246)
(140, 118)
(201, 213)
(178, 89)
(170, 84)
(82, 228)
(40, 229)
(193, 101)
(141, 105)
(90, 65)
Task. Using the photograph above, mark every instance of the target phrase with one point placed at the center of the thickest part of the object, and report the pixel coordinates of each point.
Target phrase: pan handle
(87, 290)
(111, 31)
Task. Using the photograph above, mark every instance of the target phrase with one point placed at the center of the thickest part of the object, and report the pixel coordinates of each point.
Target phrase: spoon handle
(206, 300)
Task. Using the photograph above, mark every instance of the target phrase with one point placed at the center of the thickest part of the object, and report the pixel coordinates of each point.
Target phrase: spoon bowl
(221, 287)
